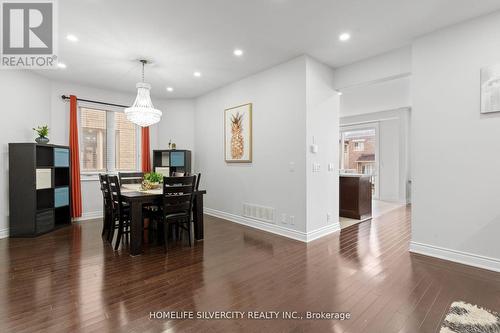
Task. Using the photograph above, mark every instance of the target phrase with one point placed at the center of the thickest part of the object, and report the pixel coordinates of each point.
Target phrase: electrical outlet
(328, 217)
(283, 218)
(292, 220)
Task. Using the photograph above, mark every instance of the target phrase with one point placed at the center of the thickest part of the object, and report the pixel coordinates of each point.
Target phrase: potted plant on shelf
(152, 181)
(42, 131)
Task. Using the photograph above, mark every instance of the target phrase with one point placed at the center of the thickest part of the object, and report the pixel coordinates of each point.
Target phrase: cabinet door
(43, 178)
(44, 221)
(61, 197)
(61, 157)
(177, 159)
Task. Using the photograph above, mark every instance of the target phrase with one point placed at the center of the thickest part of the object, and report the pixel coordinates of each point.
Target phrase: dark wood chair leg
(111, 232)
(120, 235)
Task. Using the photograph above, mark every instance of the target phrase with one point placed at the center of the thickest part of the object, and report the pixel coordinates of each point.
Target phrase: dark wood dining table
(137, 199)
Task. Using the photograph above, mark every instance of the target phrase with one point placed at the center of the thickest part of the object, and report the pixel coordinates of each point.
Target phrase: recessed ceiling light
(344, 37)
(238, 52)
(61, 65)
(197, 74)
(72, 38)
(170, 89)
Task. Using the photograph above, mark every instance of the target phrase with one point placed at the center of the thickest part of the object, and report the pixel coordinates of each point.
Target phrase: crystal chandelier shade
(142, 112)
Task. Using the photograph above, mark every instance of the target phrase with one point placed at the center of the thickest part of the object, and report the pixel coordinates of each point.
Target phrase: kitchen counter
(355, 196)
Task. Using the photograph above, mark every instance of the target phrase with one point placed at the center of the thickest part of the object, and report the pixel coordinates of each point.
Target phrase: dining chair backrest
(106, 195)
(198, 178)
(131, 177)
(178, 194)
(115, 192)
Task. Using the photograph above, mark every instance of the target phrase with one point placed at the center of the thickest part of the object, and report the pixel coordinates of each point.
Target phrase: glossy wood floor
(71, 281)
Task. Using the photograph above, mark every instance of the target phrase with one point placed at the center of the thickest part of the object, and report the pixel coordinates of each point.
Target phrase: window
(125, 143)
(359, 146)
(108, 141)
(93, 124)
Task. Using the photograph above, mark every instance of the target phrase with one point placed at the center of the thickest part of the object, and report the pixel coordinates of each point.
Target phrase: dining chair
(107, 206)
(177, 205)
(131, 177)
(120, 211)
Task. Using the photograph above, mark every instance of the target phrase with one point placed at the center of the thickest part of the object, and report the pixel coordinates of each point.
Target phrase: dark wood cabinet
(355, 197)
(39, 188)
(167, 162)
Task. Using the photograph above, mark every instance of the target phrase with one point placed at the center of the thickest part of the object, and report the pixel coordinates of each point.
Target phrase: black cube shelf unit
(167, 162)
(39, 188)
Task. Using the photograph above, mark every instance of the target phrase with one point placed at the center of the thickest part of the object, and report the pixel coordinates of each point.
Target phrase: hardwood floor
(71, 281)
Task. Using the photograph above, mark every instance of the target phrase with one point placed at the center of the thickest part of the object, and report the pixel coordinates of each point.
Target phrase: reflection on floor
(379, 208)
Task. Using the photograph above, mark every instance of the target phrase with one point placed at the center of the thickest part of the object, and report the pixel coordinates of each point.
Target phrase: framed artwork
(238, 134)
(490, 89)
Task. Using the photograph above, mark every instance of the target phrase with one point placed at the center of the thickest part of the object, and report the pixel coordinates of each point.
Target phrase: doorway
(359, 151)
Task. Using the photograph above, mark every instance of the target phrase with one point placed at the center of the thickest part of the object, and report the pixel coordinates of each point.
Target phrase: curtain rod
(64, 97)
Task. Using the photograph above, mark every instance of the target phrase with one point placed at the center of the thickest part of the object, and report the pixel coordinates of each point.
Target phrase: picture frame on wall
(238, 134)
(490, 89)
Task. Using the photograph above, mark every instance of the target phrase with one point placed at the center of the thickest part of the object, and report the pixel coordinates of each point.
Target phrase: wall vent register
(261, 213)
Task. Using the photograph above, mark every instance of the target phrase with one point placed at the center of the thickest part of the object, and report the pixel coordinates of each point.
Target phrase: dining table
(137, 198)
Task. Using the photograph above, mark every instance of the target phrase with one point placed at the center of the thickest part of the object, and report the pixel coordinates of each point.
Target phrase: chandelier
(142, 112)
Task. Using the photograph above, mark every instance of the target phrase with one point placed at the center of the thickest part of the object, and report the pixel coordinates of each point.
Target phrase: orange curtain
(145, 152)
(76, 192)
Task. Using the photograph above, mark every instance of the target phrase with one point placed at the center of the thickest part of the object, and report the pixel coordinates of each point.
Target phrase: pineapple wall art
(238, 134)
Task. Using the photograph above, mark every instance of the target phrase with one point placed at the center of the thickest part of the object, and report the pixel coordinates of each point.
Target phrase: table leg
(136, 228)
(198, 217)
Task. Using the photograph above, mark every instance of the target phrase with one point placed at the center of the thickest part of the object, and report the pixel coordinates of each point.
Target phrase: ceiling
(183, 36)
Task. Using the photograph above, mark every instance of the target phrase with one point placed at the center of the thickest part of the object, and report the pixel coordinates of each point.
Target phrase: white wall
(278, 96)
(380, 96)
(390, 65)
(394, 150)
(456, 178)
(26, 104)
(177, 124)
(322, 102)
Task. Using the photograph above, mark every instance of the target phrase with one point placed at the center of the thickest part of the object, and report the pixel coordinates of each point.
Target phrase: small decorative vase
(174, 146)
(42, 139)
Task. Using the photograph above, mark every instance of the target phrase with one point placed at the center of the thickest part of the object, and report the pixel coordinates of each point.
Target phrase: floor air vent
(257, 212)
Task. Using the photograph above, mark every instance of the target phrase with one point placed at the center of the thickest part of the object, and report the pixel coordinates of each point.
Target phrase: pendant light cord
(143, 62)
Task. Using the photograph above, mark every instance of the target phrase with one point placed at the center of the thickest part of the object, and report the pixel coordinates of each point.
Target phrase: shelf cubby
(61, 177)
(44, 156)
(45, 199)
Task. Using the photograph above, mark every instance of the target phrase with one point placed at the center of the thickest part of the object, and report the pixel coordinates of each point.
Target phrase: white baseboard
(89, 216)
(460, 257)
(4, 233)
(321, 232)
(273, 228)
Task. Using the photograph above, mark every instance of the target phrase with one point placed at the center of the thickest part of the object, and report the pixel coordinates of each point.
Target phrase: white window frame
(110, 167)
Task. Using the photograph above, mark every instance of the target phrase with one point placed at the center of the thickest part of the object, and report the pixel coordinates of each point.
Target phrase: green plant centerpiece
(152, 181)
(43, 132)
